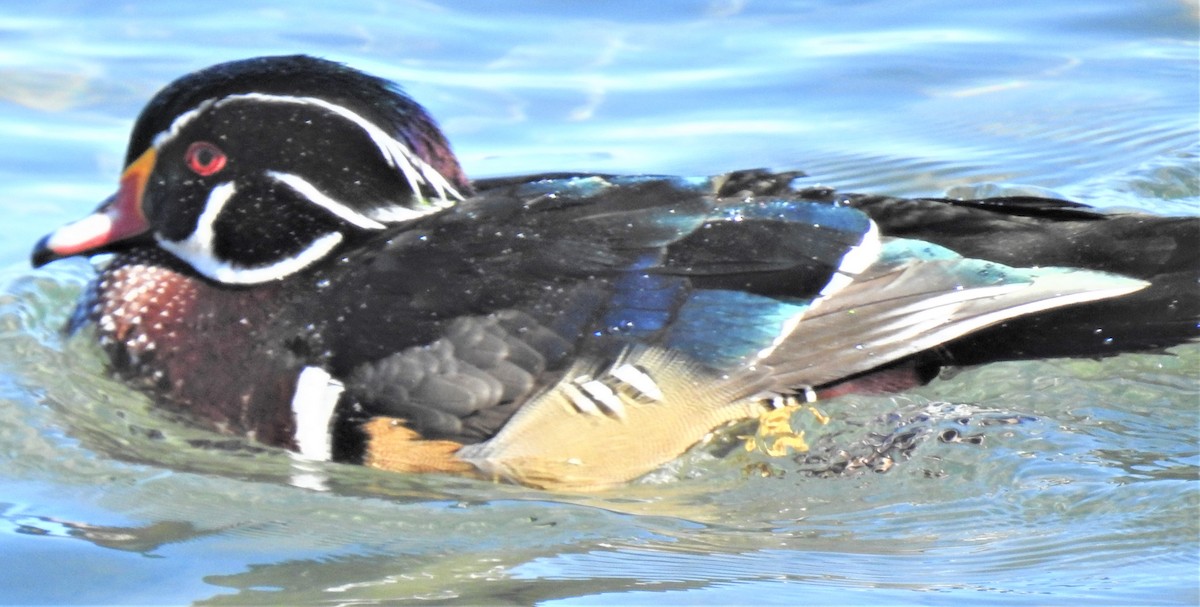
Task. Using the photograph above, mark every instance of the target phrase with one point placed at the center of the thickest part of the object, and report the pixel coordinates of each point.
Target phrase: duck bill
(120, 218)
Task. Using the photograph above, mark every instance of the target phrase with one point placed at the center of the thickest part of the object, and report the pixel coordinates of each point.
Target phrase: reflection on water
(1053, 481)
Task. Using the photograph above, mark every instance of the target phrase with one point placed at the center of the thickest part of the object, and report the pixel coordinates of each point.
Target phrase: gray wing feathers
(887, 313)
(463, 385)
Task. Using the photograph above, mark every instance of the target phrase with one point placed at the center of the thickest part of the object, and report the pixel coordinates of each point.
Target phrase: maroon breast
(199, 348)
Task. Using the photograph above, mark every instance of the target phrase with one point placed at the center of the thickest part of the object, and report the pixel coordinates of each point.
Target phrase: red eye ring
(205, 158)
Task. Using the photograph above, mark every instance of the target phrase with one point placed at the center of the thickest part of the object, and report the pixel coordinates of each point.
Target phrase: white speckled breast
(198, 347)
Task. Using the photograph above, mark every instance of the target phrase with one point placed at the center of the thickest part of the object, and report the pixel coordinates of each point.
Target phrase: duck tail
(1037, 232)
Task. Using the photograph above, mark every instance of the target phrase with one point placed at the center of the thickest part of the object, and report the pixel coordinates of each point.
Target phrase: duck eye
(204, 158)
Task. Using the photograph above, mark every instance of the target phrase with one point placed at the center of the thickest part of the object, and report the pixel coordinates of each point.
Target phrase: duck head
(254, 170)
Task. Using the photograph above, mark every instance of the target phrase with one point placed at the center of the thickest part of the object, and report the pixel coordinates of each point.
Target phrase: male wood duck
(299, 258)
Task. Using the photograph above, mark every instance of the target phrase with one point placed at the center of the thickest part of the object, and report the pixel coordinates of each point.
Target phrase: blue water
(1074, 482)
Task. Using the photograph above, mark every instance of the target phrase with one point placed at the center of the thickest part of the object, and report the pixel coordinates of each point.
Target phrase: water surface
(1048, 482)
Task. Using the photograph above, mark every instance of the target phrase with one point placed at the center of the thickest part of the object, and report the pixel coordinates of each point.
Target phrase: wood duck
(298, 257)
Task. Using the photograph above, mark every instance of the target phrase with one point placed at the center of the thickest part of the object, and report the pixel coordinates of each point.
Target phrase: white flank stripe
(605, 397)
(583, 403)
(639, 380)
(317, 197)
(313, 406)
(854, 262)
(857, 259)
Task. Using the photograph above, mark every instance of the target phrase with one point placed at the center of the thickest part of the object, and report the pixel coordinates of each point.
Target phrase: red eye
(205, 158)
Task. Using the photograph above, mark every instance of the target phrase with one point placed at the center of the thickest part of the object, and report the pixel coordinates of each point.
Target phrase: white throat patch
(197, 248)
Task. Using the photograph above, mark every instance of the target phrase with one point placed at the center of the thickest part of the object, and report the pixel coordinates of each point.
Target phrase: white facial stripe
(317, 197)
(197, 249)
(395, 214)
(415, 170)
(180, 121)
(397, 154)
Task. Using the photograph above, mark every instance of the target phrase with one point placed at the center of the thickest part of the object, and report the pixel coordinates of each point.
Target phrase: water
(1048, 482)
